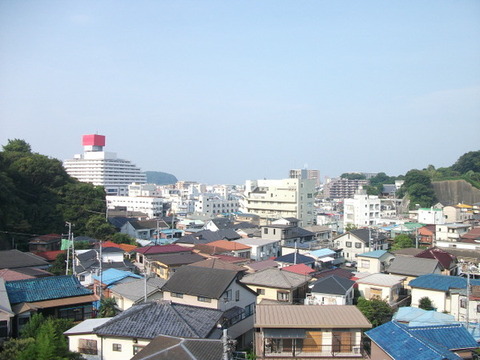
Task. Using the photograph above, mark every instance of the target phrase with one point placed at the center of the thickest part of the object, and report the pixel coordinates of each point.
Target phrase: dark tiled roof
(295, 258)
(414, 266)
(332, 285)
(46, 288)
(214, 263)
(177, 259)
(447, 260)
(200, 281)
(149, 320)
(338, 272)
(161, 249)
(364, 235)
(167, 348)
(119, 221)
(11, 259)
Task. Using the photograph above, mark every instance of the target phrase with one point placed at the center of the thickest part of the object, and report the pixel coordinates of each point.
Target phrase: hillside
(160, 178)
(450, 192)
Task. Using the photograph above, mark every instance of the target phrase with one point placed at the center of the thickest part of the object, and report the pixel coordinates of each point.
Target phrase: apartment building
(362, 209)
(103, 168)
(342, 188)
(306, 174)
(275, 199)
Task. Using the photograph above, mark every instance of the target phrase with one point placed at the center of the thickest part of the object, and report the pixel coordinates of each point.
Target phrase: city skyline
(220, 92)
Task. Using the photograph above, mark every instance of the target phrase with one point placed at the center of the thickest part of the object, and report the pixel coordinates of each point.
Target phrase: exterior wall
(389, 294)
(438, 298)
(459, 308)
(455, 214)
(352, 246)
(260, 251)
(127, 346)
(152, 206)
(212, 205)
(430, 216)
(8, 318)
(330, 299)
(376, 353)
(450, 232)
(270, 293)
(368, 265)
(362, 210)
(275, 199)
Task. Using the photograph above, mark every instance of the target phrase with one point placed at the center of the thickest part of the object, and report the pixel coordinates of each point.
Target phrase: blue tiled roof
(45, 288)
(421, 343)
(374, 254)
(322, 252)
(441, 282)
(112, 276)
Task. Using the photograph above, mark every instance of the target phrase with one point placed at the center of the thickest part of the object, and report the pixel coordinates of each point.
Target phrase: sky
(225, 91)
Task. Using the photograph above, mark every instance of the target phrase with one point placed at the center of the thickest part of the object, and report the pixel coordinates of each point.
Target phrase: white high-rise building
(362, 210)
(275, 199)
(103, 168)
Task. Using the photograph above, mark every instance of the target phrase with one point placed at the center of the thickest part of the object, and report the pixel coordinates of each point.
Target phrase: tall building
(306, 174)
(275, 199)
(342, 188)
(362, 210)
(103, 168)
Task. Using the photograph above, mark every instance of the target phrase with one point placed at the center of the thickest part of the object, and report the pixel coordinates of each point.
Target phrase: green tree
(353, 176)
(98, 228)
(59, 265)
(425, 303)
(350, 227)
(119, 238)
(17, 145)
(30, 329)
(12, 348)
(107, 307)
(377, 311)
(402, 241)
(467, 162)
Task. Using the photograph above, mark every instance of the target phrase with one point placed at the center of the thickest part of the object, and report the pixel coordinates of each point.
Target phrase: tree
(107, 307)
(119, 238)
(59, 265)
(377, 311)
(467, 162)
(350, 227)
(98, 228)
(402, 241)
(425, 303)
(353, 176)
(14, 347)
(17, 145)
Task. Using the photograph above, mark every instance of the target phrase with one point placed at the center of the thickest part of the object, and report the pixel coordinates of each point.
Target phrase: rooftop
(381, 279)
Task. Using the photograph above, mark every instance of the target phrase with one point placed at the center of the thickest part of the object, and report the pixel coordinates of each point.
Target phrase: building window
(463, 302)
(116, 347)
(358, 245)
(260, 291)
(348, 244)
(204, 299)
(86, 346)
(137, 348)
(82, 277)
(228, 295)
(283, 296)
(365, 263)
(265, 230)
(237, 295)
(177, 295)
(342, 341)
(3, 329)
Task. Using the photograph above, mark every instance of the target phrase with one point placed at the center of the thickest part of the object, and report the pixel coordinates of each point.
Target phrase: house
(295, 258)
(142, 254)
(337, 271)
(260, 265)
(374, 261)
(50, 256)
(310, 332)
(394, 340)
(261, 249)
(426, 235)
(58, 296)
(326, 258)
(276, 285)
(6, 314)
(165, 265)
(331, 290)
(226, 247)
(173, 347)
(110, 277)
(215, 263)
(87, 264)
(143, 229)
(49, 242)
(125, 335)
(448, 235)
(466, 304)
(413, 267)
(418, 317)
(289, 235)
(207, 236)
(134, 292)
(438, 288)
(382, 286)
(447, 260)
(301, 269)
(215, 289)
(359, 241)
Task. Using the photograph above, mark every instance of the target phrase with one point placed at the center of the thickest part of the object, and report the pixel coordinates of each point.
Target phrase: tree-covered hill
(160, 178)
(37, 196)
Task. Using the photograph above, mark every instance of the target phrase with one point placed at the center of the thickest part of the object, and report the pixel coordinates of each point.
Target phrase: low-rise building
(381, 286)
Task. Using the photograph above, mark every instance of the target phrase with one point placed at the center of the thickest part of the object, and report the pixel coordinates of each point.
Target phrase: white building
(306, 174)
(275, 199)
(150, 205)
(262, 249)
(430, 216)
(103, 168)
(362, 210)
(213, 205)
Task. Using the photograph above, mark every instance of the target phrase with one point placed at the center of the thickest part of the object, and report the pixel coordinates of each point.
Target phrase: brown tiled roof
(214, 263)
(22, 307)
(307, 316)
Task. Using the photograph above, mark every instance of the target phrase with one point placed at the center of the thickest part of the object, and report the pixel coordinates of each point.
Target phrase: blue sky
(224, 91)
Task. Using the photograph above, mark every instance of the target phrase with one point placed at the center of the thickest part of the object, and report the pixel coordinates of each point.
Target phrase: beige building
(275, 199)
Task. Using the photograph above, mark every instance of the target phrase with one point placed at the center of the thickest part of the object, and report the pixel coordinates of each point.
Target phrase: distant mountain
(160, 178)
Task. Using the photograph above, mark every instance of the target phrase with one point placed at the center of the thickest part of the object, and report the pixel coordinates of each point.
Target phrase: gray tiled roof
(332, 285)
(200, 281)
(275, 278)
(11, 259)
(167, 348)
(135, 290)
(177, 259)
(406, 265)
(149, 320)
(207, 236)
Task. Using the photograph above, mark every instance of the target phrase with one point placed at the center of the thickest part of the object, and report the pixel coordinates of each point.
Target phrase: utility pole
(68, 247)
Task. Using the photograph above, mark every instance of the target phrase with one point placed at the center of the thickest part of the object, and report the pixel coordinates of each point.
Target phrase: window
(228, 295)
(116, 347)
(177, 295)
(3, 329)
(463, 302)
(265, 230)
(365, 263)
(358, 245)
(478, 308)
(82, 277)
(237, 295)
(86, 346)
(260, 291)
(283, 295)
(342, 341)
(137, 348)
(348, 244)
(204, 299)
